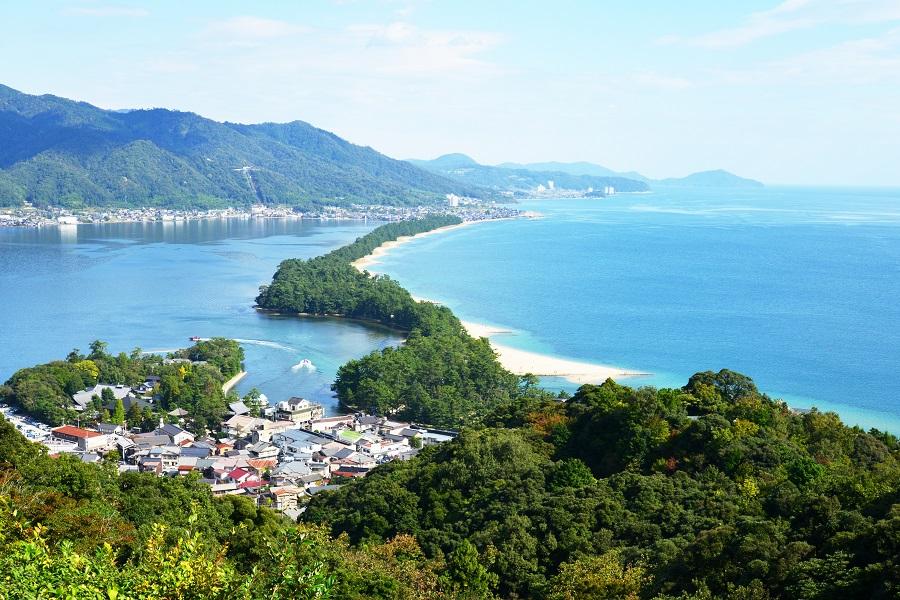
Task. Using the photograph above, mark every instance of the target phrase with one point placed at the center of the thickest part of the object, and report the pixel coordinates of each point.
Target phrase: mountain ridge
(710, 178)
(521, 182)
(64, 152)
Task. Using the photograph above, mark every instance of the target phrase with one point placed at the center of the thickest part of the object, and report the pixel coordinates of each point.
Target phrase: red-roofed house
(241, 475)
(87, 440)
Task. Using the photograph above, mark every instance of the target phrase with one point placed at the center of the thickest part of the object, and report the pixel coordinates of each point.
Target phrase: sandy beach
(516, 361)
(364, 263)
(226, 387)
(521, 362)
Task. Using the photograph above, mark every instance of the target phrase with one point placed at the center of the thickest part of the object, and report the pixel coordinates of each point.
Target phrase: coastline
(522, 362)
(519, 362)
(226, 387)
(363, 264)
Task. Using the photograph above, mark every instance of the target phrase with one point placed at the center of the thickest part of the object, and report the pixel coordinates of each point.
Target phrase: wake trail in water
(266, 344)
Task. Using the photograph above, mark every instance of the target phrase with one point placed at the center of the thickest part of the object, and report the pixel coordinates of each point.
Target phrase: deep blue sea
(798, 288)
(154, 285)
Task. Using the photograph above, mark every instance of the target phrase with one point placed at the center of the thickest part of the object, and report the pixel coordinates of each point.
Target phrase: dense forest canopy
(58, 152)
(711, 490)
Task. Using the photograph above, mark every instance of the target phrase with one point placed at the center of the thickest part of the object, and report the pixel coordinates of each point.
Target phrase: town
(277, 455)
(468, 209)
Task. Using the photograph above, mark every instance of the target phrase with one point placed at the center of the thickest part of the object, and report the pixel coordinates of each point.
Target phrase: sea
(799, 288)
(796, 287)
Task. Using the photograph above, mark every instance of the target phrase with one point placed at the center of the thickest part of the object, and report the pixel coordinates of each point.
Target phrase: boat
(305, 363)
(195, 338)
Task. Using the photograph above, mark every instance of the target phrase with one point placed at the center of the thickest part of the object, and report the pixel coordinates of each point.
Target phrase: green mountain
(56, 151)
(522, 180)
(718, 178)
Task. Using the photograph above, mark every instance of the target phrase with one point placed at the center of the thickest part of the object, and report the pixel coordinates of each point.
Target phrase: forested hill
(55, 151)
(708, 491)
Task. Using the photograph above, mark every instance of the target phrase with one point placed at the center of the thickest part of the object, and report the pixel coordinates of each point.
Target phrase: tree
(98, 349)
(108, 397)
(466, 576)
(118, 416)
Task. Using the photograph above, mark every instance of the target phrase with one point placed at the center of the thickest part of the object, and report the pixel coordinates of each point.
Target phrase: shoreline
(226, 387)
(523, 362)
(372, 258)
(518, 362)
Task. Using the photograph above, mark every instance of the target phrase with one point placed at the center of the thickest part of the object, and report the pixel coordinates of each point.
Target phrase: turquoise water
(796, 287)
(154, 285)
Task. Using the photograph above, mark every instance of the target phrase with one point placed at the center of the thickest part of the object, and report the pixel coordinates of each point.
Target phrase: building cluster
(468, 209)
(288, 453)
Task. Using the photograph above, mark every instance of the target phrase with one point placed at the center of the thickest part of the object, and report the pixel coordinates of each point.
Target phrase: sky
(793, 91)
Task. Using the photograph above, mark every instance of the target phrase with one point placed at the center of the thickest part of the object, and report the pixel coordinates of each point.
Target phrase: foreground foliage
(712, 490)
(75, 530)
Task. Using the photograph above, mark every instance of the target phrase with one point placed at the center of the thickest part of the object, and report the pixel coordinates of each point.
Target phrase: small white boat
(303, 364)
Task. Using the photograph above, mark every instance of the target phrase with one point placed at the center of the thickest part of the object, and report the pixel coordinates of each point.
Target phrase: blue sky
(799, 91)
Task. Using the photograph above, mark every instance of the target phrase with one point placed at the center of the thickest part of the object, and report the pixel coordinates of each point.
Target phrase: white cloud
(871, 60)
(401, 47)
(249, 30)
(794, 15)
(107, 11)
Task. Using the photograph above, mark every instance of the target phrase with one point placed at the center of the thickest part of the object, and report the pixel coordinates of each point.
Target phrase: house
(299, 411)
(85, 439)
(84, 398)
(176, 434)
(369, 422)
(168, 456)
(261, 465)
(145, 441)
(240, 425)
(327, 424)
(284, 497)
(313, 479)
(263, 450)
(110, 428)
(297, 441)
(239, 475)
(270, 428)
(238, 408)
(178, 413)
(351, 471)
(289, 473)
(224, 489)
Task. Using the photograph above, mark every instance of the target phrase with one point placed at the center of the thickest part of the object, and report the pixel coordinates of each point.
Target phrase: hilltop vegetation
(58, 152)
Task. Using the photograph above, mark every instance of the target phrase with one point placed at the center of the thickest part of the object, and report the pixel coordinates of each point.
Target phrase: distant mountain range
(460, 166)
(55, 151)
(522, 181)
